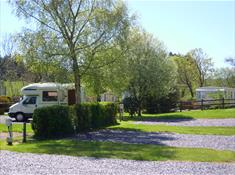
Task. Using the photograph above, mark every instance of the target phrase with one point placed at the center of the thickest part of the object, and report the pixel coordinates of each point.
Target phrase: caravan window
(49, 96)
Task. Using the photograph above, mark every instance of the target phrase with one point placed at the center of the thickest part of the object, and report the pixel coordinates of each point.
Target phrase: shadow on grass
(103, 149)
(164, 118)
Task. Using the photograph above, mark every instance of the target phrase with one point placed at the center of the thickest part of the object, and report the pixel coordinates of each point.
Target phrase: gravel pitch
(167, 139)
(194, 122)
(27, 163)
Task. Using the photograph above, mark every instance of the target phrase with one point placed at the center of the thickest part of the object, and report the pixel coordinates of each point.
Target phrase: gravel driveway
(194, 122)
(168, 139)
(27, 163)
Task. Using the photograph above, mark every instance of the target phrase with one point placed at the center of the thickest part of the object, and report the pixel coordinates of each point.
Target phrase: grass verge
(16, 127)
(210, 130)
(196, 114)
(121, 151)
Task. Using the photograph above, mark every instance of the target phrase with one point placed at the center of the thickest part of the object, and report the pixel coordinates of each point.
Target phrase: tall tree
(224, 77)
(112, 75)
(150, 72)
(187, 72)
(81, 28)
(204, 65)
(37, 57)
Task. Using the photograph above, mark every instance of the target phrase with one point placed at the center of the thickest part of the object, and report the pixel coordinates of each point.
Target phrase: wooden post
(24, 132)
(202, 105)
(180, 106)
(223, 102)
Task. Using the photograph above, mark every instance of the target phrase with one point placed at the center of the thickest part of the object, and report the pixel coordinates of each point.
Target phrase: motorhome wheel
(19, 117)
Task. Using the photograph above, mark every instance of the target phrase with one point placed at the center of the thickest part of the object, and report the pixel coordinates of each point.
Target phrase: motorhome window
(49, 96)
(28, 89)
(30, 100)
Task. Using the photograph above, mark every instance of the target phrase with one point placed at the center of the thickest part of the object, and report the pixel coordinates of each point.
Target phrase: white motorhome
(42, 94)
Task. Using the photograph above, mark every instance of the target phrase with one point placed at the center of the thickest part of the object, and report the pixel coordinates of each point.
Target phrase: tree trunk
(139, 111)
(139, 108)
(77, 81)
(98, 98)
(191, 91)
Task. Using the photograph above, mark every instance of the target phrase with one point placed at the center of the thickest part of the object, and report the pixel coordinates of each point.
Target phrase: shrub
(130, 105)
(94, 115)
(52, 121)
(5, 99)
(4, 104)
(167, 103)
(82, 117)
(110, 113)
(59, 121)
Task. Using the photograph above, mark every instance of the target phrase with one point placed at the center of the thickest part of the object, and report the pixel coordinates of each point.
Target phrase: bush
(5, 99)
(90, 116)
(4, 104)
(130, 105)
(52, 121)
(165, 104)
(59, 121)
(82, 117)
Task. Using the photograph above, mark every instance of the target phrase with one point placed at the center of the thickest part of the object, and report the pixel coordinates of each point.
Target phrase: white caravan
(210, 93)
(42, 94)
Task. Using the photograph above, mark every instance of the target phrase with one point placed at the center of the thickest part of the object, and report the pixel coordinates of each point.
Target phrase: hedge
(52, 121)
(59, 121)
(90, 116)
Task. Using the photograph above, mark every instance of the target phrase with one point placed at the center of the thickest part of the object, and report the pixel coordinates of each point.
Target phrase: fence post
(180, 106)
(202, 105)
(223, 102)
(24, 132)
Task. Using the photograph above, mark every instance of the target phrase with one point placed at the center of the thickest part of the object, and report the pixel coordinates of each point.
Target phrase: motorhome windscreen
(30, 100)
(49, 96)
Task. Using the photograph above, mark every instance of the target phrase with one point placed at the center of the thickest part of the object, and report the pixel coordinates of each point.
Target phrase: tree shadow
(126, 135)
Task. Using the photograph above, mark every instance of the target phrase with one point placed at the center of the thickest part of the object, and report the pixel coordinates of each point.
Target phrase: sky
(180, 25)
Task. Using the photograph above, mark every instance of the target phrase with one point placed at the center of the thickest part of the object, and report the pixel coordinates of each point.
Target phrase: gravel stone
(194, 122)
(167, 139)
(42, 164)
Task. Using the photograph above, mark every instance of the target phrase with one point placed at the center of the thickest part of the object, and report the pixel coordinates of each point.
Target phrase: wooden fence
(206, 104)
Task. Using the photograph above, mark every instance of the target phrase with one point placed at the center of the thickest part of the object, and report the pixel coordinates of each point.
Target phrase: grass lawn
(134, 151)
(121, 151)
(148, 128)
(211, 130)
(16, 127)
(194, 114)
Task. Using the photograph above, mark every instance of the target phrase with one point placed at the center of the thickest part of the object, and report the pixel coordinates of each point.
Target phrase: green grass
(16, 127)
(196, 114)
(121, 151)
(135, 151)
(176, 129)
